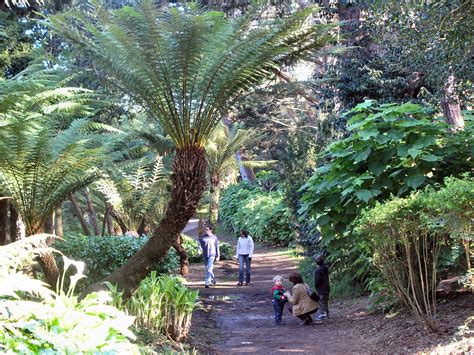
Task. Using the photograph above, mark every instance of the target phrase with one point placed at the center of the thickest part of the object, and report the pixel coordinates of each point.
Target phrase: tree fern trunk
(58, 222)
(183, 256)
(47, 261)
(91, 211)
(214, 205)
(79, 214)
(451, 105)
(13, 223)
(3, 221)
(188, 184)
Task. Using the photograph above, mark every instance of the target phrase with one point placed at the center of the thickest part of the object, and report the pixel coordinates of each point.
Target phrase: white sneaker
(322, 316)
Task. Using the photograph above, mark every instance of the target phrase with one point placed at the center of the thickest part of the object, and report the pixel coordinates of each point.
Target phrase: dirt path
(239, 319)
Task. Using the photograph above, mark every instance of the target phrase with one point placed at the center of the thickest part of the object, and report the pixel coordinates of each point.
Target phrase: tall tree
(185, 67)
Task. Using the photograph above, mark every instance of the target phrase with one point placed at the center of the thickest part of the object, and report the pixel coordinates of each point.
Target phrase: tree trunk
(46, 260)
(79, 214)
(110, 224)
(13, 223)
(201, 227)
(104, 222)
(183, 256)
(119, 220)
(58, 222)
(214, 204)
(142, 228)
(4, 206)
(246, 173)
(50, 269)
(188, 184)
(451, 105)
(91, 211)
(49, 224)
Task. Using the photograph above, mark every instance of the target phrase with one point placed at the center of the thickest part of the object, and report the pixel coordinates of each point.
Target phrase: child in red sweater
(279, 299)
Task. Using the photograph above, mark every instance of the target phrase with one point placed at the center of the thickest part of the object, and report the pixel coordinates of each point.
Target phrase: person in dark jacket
(321, 284)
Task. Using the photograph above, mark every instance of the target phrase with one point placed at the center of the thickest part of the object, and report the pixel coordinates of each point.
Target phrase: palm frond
(186, 67)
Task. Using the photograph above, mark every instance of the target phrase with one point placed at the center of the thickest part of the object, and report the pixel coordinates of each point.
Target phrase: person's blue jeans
(278, 309)
(244, 259)
(209, 265)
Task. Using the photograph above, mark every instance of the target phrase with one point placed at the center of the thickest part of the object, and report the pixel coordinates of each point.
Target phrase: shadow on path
(239, 319)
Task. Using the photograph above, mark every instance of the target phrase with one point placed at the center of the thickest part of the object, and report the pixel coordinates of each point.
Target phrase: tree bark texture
(110, 223)
(13, 223)
(49, 224)
(214, 204)
(79, 214)
(451, 105)
(4, 206)
(58, 222)
(183, 256)
(188, 183)
(119, 221)
(91, 211)
(246, 173)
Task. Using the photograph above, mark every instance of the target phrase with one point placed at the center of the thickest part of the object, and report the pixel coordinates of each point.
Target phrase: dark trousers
(324, 303)
(307, 316)
(278, 309)
(244, 260)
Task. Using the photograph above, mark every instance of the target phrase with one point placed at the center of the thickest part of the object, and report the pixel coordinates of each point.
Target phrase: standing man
(321, 283)
(209, 244)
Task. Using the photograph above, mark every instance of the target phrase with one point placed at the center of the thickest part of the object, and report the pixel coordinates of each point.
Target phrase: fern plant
(221, 149)
(185, 67)
(137, 199)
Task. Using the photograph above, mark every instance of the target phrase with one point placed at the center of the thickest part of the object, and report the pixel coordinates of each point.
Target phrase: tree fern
(186, 67)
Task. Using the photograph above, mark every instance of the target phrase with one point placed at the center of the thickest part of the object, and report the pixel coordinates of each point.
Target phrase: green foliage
(34, 319)
(392, 149)
(163, 304)
(187, 66)
(265, 215)
(431, 39)
(137, 197)
(41, 165)
(103, 255)
(406, 236)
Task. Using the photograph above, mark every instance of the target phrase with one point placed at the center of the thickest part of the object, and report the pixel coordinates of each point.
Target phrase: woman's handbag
(313, 295)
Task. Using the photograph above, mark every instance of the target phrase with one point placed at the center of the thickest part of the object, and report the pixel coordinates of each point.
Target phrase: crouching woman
(302, 305)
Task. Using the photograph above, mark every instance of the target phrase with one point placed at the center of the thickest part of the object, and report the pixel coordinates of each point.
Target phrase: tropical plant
(104, 254)
(185, 67)
(40, 165)
(162, 304)
(392, 149)
(35, 319)
(137, 199)
(221, 149)
(407, 235)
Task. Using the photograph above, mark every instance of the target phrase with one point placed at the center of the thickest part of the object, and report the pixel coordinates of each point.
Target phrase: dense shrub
(103, 255)
(263, 213)
(392, 149)
(406, 236)
(37, 320)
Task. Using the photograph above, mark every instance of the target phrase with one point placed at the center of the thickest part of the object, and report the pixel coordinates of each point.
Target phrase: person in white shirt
(244, 255)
